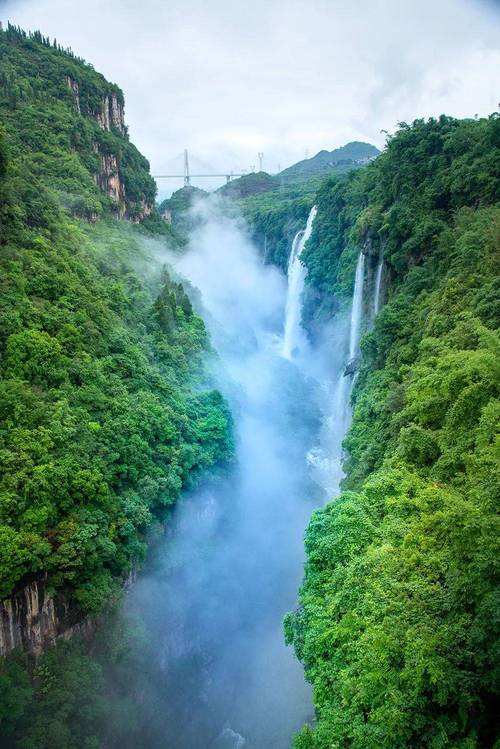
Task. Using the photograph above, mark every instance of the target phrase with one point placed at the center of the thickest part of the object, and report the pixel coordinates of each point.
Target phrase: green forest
(106, 409)
(398, 619)
(109, 411)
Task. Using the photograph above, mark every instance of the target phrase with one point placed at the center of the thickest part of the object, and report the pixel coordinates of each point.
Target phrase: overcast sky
(229, 78)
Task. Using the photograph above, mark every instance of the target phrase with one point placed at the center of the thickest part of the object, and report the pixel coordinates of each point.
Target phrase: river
(214, 669)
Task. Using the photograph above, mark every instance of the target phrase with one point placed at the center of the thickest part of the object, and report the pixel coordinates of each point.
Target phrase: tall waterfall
(356, 308)
(296, 278)
(348, 375)
(327, 457)
(378, 282)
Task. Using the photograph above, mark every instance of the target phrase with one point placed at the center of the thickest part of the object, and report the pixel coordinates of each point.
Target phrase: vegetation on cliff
(399, 609)
(176, 210)
(63, 124)
(104, 412)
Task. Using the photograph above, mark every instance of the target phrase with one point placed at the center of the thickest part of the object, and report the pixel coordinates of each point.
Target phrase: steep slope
(105, 410)
(399, 610)
(64, 124)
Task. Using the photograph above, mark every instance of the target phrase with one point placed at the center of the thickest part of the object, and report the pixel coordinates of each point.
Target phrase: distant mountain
(182, 199)
(303, 177)
(249, 184)
(342, 159)
(175, 209)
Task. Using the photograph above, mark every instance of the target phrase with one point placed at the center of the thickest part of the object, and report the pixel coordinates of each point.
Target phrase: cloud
(227, 78)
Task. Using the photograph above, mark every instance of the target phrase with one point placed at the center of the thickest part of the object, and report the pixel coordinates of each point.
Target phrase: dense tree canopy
(105, 413)
(399, 610)
(50, 102)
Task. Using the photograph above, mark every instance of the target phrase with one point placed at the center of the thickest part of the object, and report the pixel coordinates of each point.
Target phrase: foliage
(105, 413)
(178, 206)
(406, 197)
(249, 184)
(57, 702)
(50, 102)
(399, 610)
(100, 428)
(274, 221)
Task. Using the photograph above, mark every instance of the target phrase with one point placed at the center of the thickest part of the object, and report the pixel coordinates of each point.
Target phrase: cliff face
(75, 90)
(78, 114)
(32, 619)
(109, 181)
(111, 114)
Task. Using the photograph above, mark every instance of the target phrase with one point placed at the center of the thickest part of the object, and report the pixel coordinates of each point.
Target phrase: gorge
(220, 584)
(181, 403)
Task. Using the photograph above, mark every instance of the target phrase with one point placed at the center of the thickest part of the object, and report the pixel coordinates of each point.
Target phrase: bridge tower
(187, 178)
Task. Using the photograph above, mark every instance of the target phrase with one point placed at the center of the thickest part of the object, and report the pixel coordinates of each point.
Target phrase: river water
(214, 669)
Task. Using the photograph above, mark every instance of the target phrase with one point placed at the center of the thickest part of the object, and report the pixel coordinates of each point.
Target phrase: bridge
(187, 175)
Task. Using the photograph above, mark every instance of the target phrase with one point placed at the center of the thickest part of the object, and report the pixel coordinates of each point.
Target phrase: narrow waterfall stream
(356, 309)
(215, 672)
(293, 336)
(378, 282)
(326, 457)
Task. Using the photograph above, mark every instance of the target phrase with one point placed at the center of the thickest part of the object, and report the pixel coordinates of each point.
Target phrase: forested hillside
(399, 610)
(340, 160)
(108, 412)
(104, 411)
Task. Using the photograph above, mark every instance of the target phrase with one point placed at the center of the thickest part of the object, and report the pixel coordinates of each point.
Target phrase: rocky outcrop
(144, 210)
(111, 114)
(32, 619)
(110, 182)
(166, 215)
(107, 174)
(108, 179)
(74, 88)
(375, 273)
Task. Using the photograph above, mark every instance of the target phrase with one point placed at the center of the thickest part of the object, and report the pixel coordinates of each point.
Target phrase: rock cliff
(81, 114)
(32, 619)
(111, 114)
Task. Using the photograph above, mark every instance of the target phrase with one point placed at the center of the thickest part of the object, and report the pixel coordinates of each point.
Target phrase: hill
(64, 124)
(340, 160)
(398, 616)
(176, 209)
(249, 184)
(99, 348)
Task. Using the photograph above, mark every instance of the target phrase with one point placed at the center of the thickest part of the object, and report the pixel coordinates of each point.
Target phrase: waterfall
(348, 376)
(327, 457)
(296, 278)
(378, 282)
(356, 308)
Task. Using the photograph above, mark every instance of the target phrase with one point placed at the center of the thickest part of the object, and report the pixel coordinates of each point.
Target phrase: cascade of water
(296, 278)
(232, 559)
(356, 308)
(378, 282)
(327, 458)
(346, 379)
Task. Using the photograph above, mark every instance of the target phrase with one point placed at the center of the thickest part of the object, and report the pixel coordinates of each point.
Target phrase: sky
(229, 78)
